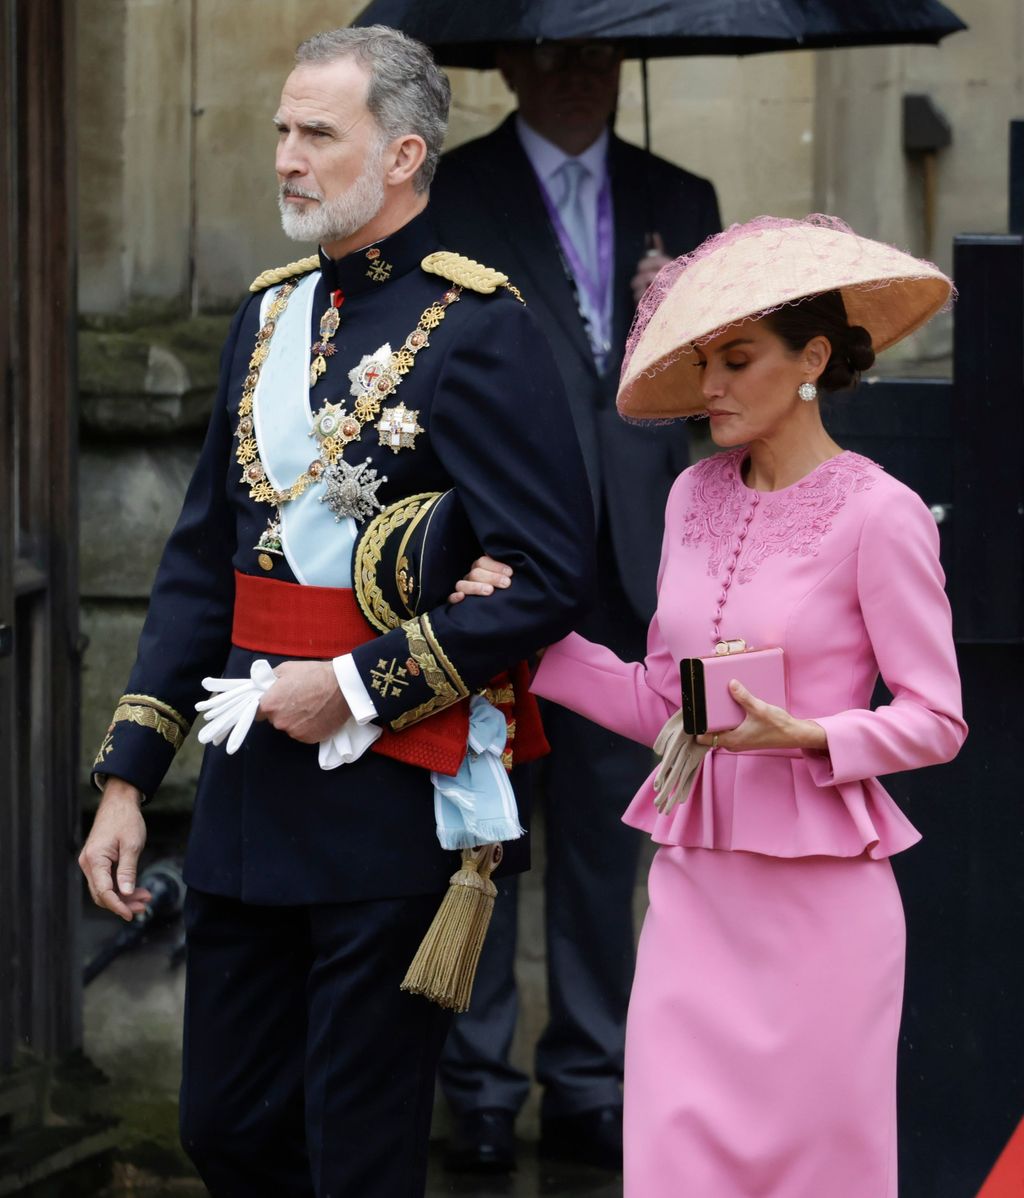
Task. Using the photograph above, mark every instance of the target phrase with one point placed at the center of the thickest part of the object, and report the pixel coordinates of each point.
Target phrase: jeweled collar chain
(351, 491)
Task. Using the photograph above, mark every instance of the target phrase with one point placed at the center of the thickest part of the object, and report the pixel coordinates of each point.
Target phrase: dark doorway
(40, 971)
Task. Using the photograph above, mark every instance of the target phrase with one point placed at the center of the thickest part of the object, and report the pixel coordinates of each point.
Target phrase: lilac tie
(571, 176)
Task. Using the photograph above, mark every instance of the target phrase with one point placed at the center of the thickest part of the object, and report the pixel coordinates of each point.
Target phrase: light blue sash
(318, 548)
(477, 806)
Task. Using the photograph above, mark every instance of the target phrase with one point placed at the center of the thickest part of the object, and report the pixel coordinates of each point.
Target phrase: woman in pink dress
(763, 1023)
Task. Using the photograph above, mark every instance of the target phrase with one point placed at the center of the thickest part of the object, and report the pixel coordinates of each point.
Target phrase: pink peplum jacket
(842, 571)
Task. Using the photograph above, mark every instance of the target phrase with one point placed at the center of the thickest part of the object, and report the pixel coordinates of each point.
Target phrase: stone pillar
(135, 128)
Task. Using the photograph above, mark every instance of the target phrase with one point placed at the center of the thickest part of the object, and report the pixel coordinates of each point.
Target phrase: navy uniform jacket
(486, 200)
(269, 825)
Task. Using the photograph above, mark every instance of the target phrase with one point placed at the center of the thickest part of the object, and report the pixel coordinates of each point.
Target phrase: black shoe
(482, 1142)
(587, 1138)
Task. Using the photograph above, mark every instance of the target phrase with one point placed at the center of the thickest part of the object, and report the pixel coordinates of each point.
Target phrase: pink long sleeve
(631, 698)
(907, 617)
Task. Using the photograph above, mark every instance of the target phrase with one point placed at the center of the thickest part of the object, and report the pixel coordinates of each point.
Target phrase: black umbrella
(465, 33)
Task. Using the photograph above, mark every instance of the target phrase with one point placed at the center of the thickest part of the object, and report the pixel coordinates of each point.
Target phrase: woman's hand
(484, 575)
(766, 726)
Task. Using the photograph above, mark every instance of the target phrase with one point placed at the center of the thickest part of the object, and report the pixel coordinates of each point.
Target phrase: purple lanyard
(598, 290)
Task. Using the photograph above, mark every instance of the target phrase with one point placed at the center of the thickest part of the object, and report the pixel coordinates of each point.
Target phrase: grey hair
(408, 92)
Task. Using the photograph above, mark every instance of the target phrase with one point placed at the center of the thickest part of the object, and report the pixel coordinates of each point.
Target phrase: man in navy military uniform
(582, 220)
(376, 370)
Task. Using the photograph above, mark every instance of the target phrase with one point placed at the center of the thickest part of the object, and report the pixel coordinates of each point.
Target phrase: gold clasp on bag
(735, 646)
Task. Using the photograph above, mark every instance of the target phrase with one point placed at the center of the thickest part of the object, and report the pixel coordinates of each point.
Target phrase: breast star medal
(398, 428)
(352, 490)
(334, 428)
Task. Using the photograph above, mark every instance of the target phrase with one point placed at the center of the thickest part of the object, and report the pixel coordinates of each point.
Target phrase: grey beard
(340, 218)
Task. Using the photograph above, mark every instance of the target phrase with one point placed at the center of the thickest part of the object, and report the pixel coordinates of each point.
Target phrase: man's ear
(408, 153)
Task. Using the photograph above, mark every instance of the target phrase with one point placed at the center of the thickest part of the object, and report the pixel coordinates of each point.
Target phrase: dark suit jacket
(486, 203)
(269, 826)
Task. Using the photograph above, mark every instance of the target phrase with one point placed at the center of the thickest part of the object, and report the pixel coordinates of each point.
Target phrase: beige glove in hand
(680, 759)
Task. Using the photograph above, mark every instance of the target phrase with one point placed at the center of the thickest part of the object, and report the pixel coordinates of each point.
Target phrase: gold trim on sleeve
(163, 708)
(148, 717)
(444, 693)
(442, 657)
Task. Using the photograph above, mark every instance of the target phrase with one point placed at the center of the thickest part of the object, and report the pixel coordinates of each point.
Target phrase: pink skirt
(763, 1026)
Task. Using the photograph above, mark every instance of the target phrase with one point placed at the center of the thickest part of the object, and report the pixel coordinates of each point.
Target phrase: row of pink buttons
(730, 569)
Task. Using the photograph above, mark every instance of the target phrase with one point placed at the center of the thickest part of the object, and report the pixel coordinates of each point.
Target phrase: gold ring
(714, 741)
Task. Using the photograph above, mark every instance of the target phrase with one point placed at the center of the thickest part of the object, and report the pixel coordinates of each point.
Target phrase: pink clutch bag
(707, 704)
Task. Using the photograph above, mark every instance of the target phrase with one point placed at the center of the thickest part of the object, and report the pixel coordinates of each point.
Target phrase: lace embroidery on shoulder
(716, 504)
(793, 522)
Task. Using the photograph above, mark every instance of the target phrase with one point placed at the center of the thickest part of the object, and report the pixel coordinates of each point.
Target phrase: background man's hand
(305, 701)
(110, 857)
(648, 267)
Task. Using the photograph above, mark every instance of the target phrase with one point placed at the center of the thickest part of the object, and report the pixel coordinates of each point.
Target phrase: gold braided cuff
(165, 709)
(445, 693)
(149, 717)
(442, 657)
(146, 712)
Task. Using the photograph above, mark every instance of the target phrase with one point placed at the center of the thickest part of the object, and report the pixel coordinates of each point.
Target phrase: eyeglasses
(595, 57)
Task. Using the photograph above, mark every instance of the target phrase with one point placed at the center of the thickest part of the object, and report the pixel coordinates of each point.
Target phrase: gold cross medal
(398, 428)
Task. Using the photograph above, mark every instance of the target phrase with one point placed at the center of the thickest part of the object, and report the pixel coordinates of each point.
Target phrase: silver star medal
(372, 372)
(352, 490)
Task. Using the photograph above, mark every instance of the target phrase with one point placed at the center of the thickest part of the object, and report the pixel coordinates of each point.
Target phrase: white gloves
(232, 709)
(233, 706)
(680, 759)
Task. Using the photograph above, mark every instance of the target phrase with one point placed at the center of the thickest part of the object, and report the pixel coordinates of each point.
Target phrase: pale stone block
(130, 499)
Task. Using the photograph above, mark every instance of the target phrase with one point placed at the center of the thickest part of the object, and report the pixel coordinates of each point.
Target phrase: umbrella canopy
(464, 33)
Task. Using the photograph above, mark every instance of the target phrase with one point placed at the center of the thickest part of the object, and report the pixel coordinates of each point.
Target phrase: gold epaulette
(457, 268)
(279, 274)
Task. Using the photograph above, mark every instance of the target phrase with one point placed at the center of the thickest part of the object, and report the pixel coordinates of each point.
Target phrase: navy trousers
(580, 791)
(307, 1073)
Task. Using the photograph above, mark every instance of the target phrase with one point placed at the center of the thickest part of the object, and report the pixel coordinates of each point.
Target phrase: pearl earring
(807, 392)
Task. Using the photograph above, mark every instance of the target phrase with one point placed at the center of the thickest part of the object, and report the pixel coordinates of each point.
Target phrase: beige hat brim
(887, 291)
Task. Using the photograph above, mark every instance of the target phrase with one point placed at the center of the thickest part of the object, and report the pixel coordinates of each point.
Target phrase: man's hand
(648, 267)
(305, 701)
(110, 857)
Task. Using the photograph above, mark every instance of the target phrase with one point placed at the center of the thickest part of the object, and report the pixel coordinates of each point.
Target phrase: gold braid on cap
(280, 274)
(457, 268)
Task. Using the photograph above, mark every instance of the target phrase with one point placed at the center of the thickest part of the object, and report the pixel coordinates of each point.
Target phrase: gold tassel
(444, 967)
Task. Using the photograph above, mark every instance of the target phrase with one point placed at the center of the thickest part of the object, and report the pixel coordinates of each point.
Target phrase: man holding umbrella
(584, 221)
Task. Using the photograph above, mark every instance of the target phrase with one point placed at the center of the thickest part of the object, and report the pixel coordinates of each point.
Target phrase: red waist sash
(288, 620)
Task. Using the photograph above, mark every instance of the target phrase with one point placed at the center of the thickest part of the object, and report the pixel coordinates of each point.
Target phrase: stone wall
(176, 173)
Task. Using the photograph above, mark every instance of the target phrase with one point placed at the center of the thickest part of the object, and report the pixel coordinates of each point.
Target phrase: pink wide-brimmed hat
(751, 270)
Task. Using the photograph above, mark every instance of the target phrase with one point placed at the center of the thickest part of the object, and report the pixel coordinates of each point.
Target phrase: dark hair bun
(824, 315)
(851, 353)
(860, 352)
